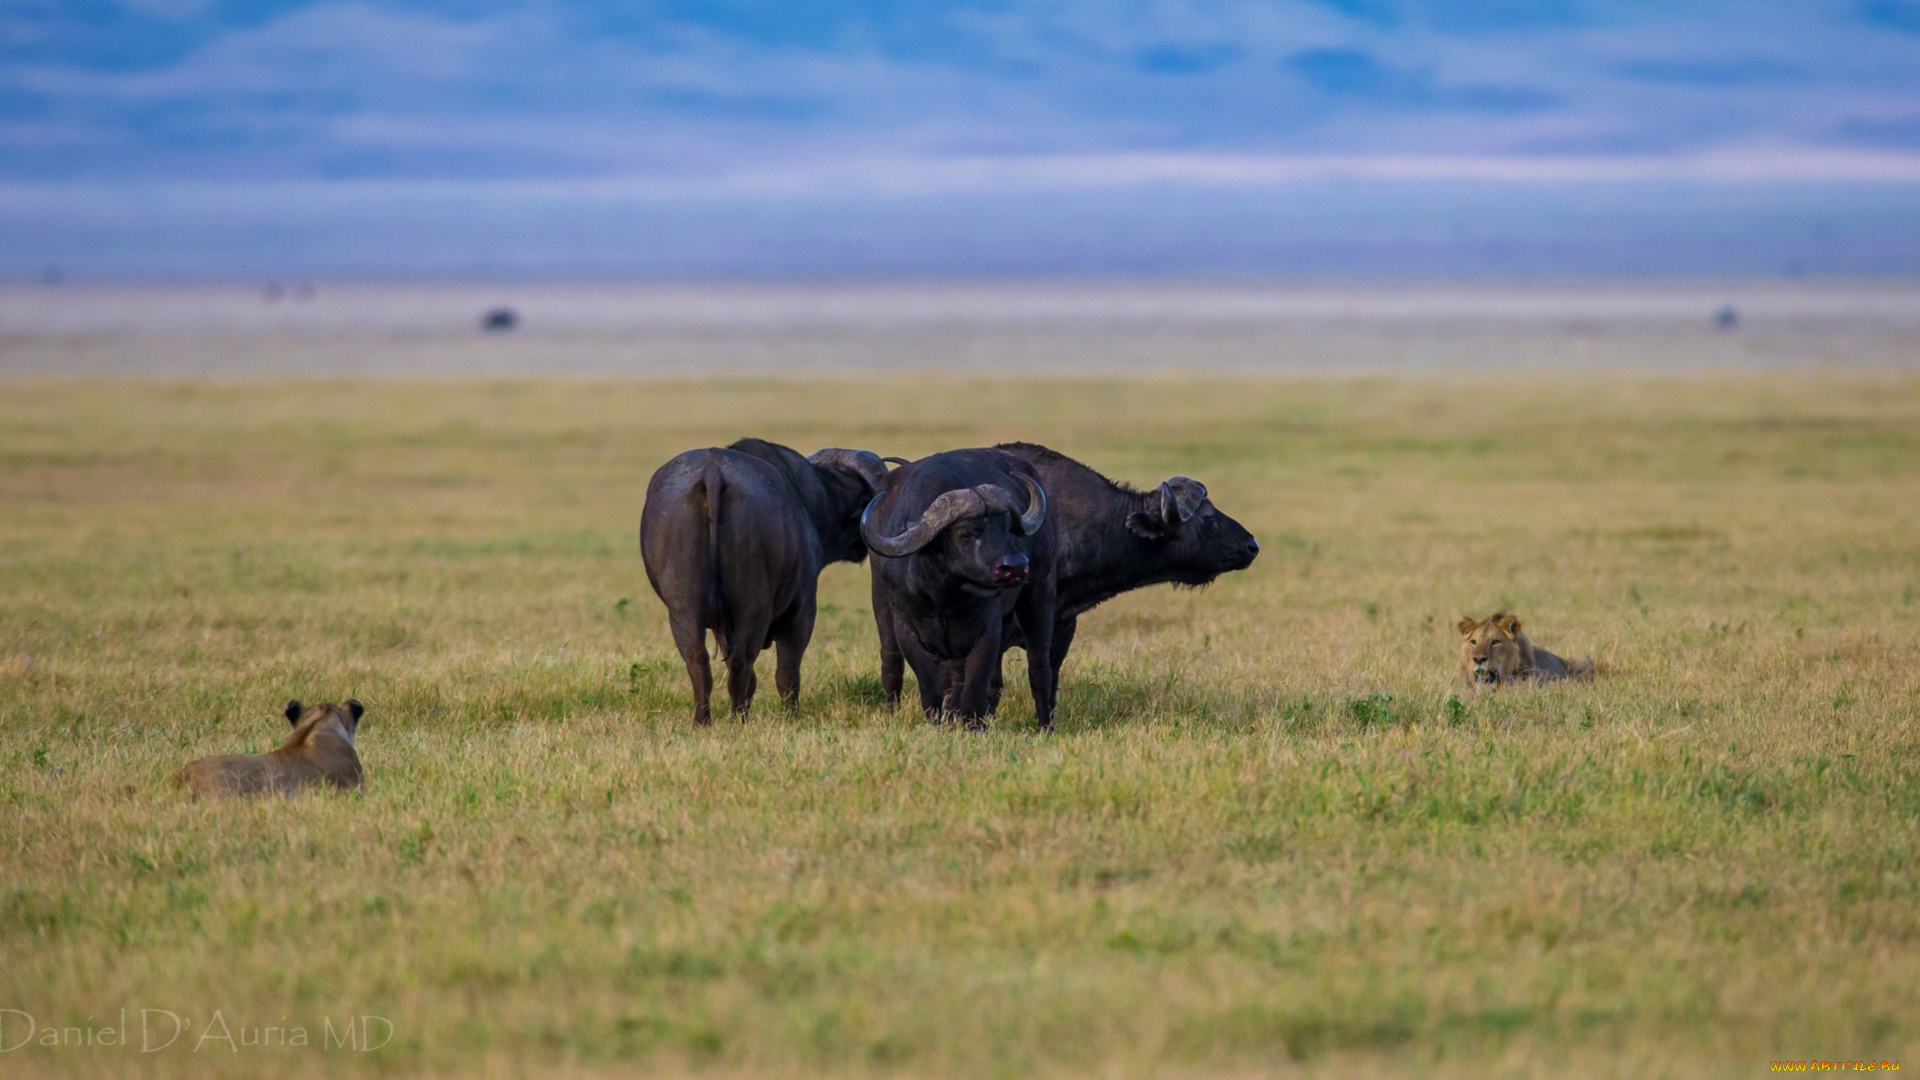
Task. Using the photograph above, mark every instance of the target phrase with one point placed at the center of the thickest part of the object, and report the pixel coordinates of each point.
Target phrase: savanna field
(1272, 833)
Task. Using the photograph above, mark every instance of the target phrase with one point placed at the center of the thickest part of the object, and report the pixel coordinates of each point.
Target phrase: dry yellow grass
(1265, 838)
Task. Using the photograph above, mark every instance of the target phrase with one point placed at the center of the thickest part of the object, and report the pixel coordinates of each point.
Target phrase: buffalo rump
(734, 540)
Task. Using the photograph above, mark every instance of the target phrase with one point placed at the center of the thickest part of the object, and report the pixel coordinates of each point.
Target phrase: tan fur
(320, 751)
(1493, 653)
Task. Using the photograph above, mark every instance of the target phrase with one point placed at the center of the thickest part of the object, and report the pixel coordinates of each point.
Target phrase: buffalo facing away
(734, 541)
(963, 546)
(1113, 539)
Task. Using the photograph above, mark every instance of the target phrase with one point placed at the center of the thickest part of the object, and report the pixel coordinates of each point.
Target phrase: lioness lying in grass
(320, 751)
(1493, 653)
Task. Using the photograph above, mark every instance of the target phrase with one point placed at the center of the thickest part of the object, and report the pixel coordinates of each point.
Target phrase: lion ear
(358, 710)
(1466, 625)
(1509, 623)
(294, 709)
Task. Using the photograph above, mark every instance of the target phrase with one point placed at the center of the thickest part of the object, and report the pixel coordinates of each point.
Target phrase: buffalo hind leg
(740, 684)
(741, 649)
(790, 646)
(691, 639)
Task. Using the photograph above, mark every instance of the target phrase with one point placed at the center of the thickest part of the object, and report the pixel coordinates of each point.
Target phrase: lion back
(229, 774)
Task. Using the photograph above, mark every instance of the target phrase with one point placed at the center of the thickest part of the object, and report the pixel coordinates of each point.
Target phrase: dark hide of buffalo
(1113, 539)
(963, 546)
(734, 540)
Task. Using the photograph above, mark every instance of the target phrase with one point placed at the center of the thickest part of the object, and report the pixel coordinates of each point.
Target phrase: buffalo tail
(714, 485)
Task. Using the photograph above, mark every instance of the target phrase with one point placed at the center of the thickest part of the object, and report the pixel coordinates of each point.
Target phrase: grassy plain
(1266, 837)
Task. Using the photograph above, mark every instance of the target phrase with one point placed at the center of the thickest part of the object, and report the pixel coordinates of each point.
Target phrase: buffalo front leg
(927, 673)
(1037, 623)
(953, 675)
(1041, 681)
(1063, 632)
(1010, 638)
(982, 664)
(893, 665)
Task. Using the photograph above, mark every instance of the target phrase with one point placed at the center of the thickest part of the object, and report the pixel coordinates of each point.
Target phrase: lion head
(315, 725)
(1493, 652)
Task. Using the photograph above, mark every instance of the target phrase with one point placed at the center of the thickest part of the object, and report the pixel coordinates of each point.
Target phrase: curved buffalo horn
(891, 460)
(1180, 498)
(950, 507)
(996, 497)
(864, 462)
(1030, 522)
(891, 547)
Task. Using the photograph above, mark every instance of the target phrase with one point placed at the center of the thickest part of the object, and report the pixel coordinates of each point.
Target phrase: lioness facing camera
(1493, 653)
(320, 751)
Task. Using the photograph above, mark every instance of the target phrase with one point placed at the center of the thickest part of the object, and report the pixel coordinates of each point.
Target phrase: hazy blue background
(1300, 138)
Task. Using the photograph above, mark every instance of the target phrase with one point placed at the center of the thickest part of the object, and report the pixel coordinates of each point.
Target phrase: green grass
(1270, 834)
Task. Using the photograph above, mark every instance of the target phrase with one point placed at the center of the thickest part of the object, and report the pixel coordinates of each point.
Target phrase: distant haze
(1324, 230)
(627, 329)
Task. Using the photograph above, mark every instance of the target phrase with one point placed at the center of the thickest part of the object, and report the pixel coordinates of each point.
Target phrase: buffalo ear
(294, 709)
(358, 710)
(1509, 623)
(1148, 524)
(1466, 625)
(1159, 517)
